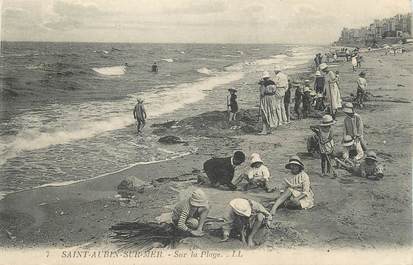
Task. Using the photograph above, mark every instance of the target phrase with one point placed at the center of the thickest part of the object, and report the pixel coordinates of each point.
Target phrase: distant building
(399, 27)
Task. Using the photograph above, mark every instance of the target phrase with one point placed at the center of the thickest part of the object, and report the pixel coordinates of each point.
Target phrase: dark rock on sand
(170, 139)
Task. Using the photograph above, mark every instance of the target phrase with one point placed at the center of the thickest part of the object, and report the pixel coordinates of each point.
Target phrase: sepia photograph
(206, 132)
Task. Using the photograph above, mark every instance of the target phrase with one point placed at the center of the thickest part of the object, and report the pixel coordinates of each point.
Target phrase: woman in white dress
(333, 96)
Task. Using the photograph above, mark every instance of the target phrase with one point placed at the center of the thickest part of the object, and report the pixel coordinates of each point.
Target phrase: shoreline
(198, 107)
(88, 198)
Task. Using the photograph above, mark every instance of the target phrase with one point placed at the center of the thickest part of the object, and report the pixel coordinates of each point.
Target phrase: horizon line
(130, 42)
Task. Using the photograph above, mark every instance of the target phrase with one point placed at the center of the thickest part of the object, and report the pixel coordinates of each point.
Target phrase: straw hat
(371, 155)
(294, 160)
(323, 66)
(255, 158)
(327, 120)
(348, 140)
(317, 73)
(348, 107)
(241, 207)
(306, 81)
(277, 68)
(232, 89)
(198, 198)
(265, 74)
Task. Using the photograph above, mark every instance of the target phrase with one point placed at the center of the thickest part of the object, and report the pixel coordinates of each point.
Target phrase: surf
(111, 71)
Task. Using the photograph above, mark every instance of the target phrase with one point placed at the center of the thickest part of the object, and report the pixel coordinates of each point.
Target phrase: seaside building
(392, 29)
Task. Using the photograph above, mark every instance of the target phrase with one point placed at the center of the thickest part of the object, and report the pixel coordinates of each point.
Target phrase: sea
(66, 108)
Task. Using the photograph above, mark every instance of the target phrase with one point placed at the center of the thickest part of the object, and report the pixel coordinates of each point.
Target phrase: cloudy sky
(204, 21)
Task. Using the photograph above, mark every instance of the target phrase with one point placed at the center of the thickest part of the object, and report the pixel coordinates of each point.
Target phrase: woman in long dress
(333, 96)
(268, 104)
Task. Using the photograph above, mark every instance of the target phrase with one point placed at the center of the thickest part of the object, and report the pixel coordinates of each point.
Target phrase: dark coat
(219, 170)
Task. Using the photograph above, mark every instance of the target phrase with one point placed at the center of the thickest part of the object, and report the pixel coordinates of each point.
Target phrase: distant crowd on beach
(278, 95)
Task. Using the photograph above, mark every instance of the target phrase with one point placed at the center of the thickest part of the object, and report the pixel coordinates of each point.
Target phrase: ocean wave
(169, 60)
(91, 119)
(234, 67)
(276, 59)
(231, 56)
(111, 71)
(204, 70)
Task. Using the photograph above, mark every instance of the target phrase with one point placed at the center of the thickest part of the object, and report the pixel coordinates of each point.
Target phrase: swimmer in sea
(139, 114)
(154, 67)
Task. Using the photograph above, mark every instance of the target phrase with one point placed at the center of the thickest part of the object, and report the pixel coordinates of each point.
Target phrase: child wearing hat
(369, 168)
(139, 114)
(246, 218)
(361, 89)
(326, 142)
(258, 175)
(297, 192)
(189, 215)
(353, 125)
(351, 153)
(232, 104)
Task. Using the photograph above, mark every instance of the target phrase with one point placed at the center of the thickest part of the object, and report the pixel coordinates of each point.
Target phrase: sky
(190, 21)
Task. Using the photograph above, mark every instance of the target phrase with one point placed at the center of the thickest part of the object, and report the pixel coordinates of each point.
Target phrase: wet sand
(348, 212)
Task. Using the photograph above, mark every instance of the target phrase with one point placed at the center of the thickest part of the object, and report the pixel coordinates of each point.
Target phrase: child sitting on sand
(258, 175)
(246, 218)
(232, 105)
(368, 168)
(351, 152)
(296, 193)
(326, 142)
(190, 214)
(139, 115)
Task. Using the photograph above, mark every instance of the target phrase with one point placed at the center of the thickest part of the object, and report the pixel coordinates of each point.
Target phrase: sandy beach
(349, 211)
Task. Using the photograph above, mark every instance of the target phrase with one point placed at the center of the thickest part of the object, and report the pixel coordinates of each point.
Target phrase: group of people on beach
(247, 218)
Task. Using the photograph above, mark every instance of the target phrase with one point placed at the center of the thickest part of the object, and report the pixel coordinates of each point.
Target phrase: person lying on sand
(296, 193)
(190, 214)
(139, 113)
(220, 171)
(368, 168)
(258, 175)
(246, 218)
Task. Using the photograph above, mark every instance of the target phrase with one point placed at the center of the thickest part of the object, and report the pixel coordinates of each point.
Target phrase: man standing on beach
(281, 84)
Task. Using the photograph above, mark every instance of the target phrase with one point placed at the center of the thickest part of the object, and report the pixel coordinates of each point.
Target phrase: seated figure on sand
(258, 175)
(353, 126)
(296, 193)
(369, 168)
(190, 214)
(246, 218)
(351, 152)
(220, 171)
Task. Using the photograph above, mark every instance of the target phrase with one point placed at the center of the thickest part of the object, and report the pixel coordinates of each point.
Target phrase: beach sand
(349, 211)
